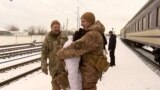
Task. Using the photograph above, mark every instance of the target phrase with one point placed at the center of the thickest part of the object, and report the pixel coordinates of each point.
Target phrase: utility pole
(77, 18)
(63, 27)
(67, 25)
(113, 30)
(67, 28)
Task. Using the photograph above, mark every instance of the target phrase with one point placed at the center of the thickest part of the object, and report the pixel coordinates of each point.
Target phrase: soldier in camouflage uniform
(90, 47)
(53, 41)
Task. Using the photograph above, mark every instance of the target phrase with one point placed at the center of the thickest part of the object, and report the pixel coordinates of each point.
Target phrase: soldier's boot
(55, 86)
(89, 86)
(60, 82)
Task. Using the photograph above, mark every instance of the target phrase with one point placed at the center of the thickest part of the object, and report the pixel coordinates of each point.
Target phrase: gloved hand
(45, 70)
(105, 52)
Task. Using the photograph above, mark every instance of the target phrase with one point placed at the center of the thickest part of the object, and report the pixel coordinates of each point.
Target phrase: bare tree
(31, 30)
(41, 30)
(36, 30)
(12, 28)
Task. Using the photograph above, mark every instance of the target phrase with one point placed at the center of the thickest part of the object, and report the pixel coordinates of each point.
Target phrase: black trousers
(112, 57)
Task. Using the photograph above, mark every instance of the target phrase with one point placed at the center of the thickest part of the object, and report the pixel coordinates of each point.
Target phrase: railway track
(19, 52)
(18, 65)
(35, 63)
(14, 45)
(8, 81)
(17, 58)
(17, 48)
(12, 69)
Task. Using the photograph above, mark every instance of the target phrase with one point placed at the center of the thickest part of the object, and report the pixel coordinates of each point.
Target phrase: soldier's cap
(89, 17)
(55, 22)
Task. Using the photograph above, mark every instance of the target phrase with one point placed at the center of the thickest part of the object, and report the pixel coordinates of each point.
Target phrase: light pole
(77, 18)
(113, 30)
(16, 38)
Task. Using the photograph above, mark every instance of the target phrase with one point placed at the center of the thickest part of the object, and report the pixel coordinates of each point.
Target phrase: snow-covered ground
(20, 70)
(130, 73)
(148, 48)
(6, 40)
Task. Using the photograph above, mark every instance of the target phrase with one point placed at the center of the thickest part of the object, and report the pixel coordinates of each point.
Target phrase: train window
(159, 16)
(129, 29)
(140, 24)
(133, 27)
(144, 23)
(126, 30)
(136, 26)
(147, 17)
(149, 20)
(152, 19)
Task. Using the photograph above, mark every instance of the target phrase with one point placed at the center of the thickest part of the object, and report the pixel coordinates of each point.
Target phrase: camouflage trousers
(90, 77)
(60, 82)
(54, 85)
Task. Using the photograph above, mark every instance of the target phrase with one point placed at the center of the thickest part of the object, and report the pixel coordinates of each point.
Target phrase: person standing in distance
(111, 48)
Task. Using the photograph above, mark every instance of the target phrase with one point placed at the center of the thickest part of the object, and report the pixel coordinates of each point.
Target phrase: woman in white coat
(72, 64)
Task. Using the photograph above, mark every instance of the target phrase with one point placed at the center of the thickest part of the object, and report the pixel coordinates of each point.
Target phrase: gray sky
(24, 13)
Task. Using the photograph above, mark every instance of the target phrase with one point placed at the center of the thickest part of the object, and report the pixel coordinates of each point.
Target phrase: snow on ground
(6, 40)
(148, 48)
(20, 70)
(130, 73)
(36, 81)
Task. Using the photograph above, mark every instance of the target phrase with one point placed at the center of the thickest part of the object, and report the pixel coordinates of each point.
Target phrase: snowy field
(6, 40)
(130, 73)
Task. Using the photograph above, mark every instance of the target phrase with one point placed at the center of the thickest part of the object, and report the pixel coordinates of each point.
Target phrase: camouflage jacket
(90, 46)
(52, 43)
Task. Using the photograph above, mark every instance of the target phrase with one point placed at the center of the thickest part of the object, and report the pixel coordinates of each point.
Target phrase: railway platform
(130, 73)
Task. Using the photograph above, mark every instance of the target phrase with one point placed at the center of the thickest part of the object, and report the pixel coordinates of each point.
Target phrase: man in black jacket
(111, 47)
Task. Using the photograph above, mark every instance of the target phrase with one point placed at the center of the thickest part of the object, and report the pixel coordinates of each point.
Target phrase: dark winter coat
(112, 42)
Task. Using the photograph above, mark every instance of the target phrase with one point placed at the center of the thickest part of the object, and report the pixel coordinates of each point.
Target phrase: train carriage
(144, 27)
